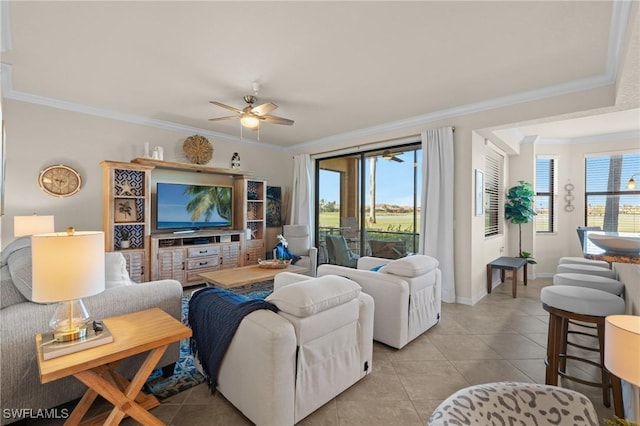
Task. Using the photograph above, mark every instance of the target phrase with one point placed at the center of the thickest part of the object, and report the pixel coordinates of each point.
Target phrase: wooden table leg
(489, 278)
(502, 271)
(514, 289)
(525, 274)
(127, 403)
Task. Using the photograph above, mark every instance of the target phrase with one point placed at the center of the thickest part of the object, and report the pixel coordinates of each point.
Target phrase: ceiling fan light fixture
(250, 122)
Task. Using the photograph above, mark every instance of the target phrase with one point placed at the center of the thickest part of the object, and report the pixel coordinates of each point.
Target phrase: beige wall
(39, 136)
(564, 242)
(471, 250)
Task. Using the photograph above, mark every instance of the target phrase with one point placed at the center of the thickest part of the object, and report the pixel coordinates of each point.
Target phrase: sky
(394, 181)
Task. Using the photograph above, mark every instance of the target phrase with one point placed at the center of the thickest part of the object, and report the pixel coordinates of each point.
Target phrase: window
(372, 199)
(493, 193)
(545, 191)
(608, 203)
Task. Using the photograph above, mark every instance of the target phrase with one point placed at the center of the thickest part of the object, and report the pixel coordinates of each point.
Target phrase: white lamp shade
(67, 267)
(29, 225)
(622, 347)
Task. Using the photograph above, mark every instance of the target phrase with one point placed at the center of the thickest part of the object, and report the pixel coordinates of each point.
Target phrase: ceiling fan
(251, 116)
(388, 155)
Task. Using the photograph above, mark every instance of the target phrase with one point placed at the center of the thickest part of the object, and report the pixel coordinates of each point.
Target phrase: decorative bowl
(273, 264)
(616, 243)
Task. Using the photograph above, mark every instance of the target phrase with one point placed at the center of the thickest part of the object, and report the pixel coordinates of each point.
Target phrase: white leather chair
(280, 367)
(407, 294)
(299, 240)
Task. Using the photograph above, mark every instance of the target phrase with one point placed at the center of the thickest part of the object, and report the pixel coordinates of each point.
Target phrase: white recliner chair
(280, 367)
(407, 294)
(299, 240)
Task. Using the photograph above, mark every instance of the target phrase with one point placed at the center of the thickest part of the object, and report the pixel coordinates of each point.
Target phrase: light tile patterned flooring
(498, 339)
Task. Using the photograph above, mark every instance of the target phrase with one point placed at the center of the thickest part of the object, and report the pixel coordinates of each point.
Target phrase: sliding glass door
(369, 204)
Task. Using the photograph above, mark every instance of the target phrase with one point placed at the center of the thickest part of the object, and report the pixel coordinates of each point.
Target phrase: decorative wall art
(479, 193)
(197, 149)
(125, 210)
(274, 206)
(235, 161)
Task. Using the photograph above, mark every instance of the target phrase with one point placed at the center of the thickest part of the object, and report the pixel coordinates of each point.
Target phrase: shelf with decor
(127, 214)
(251, 214)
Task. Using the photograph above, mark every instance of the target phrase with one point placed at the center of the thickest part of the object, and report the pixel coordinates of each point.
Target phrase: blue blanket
(214, 317)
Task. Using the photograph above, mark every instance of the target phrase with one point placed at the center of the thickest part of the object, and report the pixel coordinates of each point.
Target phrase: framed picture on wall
(274, 206)
(479, 193)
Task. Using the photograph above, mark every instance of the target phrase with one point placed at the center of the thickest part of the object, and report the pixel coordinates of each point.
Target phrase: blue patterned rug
(185, 374)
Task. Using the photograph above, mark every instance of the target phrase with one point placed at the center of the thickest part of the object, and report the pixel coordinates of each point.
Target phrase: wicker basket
(273, 264)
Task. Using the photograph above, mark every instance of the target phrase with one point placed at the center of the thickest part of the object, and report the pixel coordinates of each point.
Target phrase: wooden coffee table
(236, 277)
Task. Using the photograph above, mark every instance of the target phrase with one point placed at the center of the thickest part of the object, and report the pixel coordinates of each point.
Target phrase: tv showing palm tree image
(183, 206)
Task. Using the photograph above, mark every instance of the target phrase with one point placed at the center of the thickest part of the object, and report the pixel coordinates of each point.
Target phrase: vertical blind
(493, 192)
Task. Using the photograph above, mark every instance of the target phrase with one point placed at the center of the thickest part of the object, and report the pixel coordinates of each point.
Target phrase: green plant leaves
(519, 207)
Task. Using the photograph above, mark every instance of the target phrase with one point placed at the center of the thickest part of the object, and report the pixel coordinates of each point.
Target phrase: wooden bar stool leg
(562, 364)
(606, 381)
(616, 390)
(551, 376)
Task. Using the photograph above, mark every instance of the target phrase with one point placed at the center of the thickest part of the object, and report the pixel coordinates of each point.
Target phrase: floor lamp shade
(622, 347)
(34, 224)
(67, 265)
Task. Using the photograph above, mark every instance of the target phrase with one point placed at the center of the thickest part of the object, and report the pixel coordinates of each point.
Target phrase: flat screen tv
(191, 207)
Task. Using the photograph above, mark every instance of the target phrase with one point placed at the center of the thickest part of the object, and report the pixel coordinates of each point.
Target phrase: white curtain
(436, 218)
(301, 194)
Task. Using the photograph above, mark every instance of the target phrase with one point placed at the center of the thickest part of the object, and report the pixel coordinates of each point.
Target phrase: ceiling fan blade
(231, 117)
(264, 108)
(276, 120)
(239, 111)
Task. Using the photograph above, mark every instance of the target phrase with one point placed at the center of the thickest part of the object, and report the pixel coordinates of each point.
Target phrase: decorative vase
(124, 244)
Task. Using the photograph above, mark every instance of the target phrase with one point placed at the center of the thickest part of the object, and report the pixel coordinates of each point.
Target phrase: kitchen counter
(591, 251)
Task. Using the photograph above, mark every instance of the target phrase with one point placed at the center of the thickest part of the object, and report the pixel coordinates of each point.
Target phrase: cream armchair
(407, 294)
(299, 240)
(280, 367)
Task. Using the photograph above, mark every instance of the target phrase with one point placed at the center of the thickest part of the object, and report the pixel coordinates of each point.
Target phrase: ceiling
(333, 67)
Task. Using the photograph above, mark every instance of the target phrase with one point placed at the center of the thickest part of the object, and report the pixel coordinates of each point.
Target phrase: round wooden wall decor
(197, 149)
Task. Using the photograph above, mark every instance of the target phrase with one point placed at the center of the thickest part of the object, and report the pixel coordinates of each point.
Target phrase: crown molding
(9, 93)
(617, 29)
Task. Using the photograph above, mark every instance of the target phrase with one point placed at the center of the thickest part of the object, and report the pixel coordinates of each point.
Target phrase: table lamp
(66, 267)
(34, 224)
(622, 352)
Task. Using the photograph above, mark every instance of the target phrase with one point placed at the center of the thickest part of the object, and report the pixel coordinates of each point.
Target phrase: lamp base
(51, 348)
(64, 335)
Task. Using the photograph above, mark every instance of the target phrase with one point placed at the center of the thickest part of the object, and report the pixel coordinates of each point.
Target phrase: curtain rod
(405, 139)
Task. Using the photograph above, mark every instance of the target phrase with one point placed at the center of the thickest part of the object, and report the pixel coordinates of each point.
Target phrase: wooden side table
(503, 263)
(152, 331)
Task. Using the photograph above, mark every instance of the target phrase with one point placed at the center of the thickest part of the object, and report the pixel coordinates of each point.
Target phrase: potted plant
(519, 210)
(124, 239)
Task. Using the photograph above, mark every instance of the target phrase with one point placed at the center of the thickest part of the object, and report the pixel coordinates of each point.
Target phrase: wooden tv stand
(182, 256)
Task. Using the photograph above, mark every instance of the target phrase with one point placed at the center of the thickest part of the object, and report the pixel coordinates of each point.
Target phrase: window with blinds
(609, 203)
(493, 193)
(545, 191)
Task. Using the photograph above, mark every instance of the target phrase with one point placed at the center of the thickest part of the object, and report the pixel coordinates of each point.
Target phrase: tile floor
(498, 339)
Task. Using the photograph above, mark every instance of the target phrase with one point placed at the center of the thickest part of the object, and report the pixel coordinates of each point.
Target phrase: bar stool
(597, 282)
(572, 268)
(583, 261)
(589, 306)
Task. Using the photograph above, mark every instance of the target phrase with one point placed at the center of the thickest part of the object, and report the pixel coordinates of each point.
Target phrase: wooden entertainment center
(179, 255)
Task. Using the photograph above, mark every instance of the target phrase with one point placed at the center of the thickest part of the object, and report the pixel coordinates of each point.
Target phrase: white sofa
(280, 367)
(407, 294)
